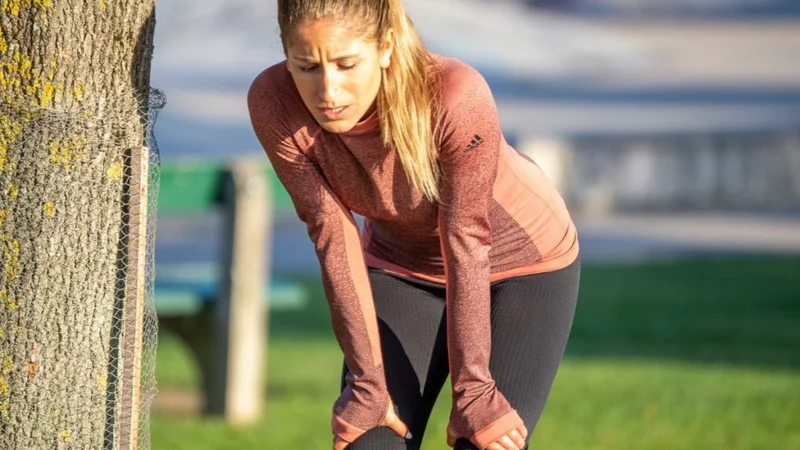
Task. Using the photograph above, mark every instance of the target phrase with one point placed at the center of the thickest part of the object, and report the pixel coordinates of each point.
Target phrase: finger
(451, 440)
(495, 446)
(340, 444)
(523, 431)
(507, 443)
(398, 426)
(517, 438)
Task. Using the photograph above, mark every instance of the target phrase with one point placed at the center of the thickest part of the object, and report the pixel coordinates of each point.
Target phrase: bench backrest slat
(196, 187)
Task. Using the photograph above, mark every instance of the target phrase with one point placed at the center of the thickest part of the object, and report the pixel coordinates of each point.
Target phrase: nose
(329, 86)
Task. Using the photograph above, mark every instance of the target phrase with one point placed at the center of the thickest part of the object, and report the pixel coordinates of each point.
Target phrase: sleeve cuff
(344, 430)
(496, 429)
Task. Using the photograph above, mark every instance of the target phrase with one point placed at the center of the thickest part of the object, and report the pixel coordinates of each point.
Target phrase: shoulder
(460, 82)
(270, 89)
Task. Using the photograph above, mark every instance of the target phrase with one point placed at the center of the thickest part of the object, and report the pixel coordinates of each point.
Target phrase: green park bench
(221, 311)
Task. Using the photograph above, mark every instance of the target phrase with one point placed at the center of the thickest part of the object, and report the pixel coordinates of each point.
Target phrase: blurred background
(671, 127)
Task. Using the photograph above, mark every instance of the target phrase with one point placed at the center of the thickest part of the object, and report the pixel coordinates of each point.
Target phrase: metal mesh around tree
(78, 328)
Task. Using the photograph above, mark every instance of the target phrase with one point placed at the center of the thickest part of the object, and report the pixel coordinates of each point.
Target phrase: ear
(386, 48)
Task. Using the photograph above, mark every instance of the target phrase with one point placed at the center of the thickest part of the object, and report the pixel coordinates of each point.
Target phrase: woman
(468, 262)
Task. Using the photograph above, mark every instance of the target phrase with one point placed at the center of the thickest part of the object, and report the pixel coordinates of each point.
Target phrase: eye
(347, 66)
(309, 68)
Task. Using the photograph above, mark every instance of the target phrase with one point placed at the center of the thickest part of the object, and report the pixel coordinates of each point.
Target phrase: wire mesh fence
(78, 328)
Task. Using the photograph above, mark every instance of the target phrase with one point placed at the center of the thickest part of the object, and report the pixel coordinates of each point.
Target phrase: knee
(382, 438)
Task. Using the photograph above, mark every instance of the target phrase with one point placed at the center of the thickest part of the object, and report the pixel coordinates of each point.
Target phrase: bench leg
(194, 331)
(208, 340)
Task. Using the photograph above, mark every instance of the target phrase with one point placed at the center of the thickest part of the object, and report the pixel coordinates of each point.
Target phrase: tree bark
(74, 86)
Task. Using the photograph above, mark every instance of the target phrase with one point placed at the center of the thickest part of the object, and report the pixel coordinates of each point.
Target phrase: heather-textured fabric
(498, 216)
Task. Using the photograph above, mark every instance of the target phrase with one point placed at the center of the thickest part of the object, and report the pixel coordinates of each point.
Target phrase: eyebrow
(312, 60)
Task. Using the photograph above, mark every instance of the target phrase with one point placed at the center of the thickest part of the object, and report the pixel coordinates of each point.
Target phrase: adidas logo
(475, 142)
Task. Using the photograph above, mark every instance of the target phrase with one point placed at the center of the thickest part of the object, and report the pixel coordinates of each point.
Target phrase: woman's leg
(531, 321)
(412, 330)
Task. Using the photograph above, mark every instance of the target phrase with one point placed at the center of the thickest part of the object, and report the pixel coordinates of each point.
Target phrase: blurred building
(671, 8)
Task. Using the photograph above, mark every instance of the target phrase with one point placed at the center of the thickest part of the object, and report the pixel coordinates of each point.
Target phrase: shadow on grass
(743, 311)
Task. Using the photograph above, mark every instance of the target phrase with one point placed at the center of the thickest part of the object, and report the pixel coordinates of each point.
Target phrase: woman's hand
(392, 420)
(513, 440)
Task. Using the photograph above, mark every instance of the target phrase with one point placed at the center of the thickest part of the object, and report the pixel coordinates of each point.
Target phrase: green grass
(691, 355)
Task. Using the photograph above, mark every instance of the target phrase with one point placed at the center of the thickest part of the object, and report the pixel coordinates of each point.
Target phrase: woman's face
(336, 71)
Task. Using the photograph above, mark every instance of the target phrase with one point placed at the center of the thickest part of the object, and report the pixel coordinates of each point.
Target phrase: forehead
(329, 36)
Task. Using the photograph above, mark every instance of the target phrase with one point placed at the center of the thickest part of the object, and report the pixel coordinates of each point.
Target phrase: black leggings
(531, 320)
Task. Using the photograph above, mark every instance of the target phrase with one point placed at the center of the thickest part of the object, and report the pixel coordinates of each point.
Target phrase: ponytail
(406, 102)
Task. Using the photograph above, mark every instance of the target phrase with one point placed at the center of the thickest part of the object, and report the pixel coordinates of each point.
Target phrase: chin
(339, 126)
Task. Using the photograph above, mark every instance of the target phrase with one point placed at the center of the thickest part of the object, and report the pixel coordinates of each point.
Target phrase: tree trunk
(74, 94)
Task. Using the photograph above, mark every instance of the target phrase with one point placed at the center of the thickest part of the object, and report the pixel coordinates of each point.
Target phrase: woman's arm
(332, 229)
(469, 151)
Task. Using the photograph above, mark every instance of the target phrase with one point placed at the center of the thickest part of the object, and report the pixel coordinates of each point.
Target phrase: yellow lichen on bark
(68, 151)
(22, 83)
(9, 248)
(5, 390)
(49, 209)
(114, 173)
(14, 7)
(15, 75)
(9, 130)
(79, 90)
(102, 382)
(3, 41)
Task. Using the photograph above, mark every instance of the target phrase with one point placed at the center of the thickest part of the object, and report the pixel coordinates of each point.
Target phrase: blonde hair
(410, 86)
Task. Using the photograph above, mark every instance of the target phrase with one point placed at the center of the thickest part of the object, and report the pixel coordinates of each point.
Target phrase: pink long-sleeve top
(499, 216)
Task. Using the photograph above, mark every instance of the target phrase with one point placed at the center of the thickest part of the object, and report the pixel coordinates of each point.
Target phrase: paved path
(620, 238)
(647, 237)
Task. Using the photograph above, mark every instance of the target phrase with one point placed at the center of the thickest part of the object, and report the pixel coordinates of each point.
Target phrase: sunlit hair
(409, 86)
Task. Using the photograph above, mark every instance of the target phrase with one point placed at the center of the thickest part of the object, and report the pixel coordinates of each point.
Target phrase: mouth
(334, 113)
